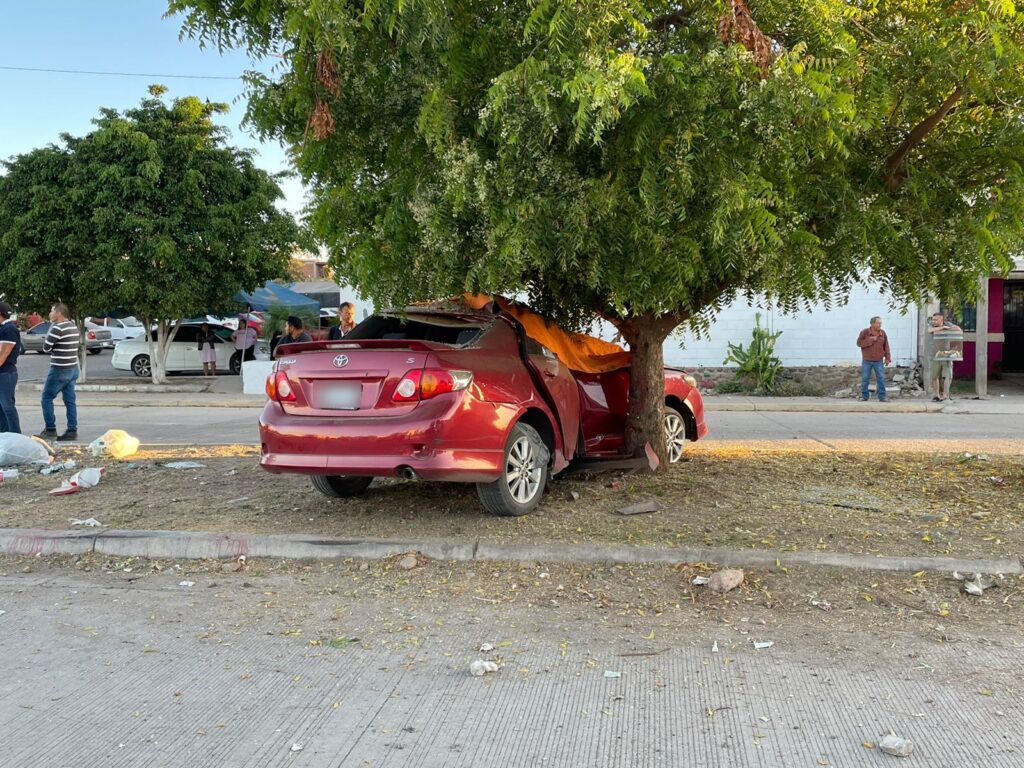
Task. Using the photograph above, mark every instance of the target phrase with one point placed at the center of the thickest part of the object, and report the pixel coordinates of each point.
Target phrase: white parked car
(120, 328)
(183, 356)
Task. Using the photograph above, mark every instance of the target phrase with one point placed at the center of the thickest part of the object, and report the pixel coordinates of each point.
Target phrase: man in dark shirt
(10, 347)
(874, 347)
(293, 333)
(346, 322)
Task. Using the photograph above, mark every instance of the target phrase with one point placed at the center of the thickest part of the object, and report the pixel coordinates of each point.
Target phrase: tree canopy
(152, 212)
(646, 161)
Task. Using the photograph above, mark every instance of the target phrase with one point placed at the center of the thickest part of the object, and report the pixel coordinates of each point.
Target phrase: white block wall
(816, 337)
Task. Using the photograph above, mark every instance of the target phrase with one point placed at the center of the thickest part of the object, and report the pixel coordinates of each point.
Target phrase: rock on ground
(725, 581)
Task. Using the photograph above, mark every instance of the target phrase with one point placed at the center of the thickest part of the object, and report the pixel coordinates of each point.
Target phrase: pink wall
(965, 368)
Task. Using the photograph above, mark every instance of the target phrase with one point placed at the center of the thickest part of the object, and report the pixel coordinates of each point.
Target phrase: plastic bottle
(8, 474)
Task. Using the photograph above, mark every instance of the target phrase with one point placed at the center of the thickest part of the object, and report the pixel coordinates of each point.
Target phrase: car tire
(235, 365)
(675, 434)
(521, 486)
(94, 351)
(341, 486)
(141, 366)
(40, 352)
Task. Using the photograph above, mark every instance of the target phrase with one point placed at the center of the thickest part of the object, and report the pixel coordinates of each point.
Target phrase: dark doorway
(1013, 326)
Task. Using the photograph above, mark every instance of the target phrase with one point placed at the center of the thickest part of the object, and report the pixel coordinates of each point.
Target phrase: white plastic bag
(116, 443)
(16, 450)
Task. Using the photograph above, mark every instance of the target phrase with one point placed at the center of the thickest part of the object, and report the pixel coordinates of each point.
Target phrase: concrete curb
(200, 545)
(826, 406)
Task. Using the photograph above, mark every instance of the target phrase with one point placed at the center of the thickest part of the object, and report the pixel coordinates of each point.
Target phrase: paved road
(220, 425)
(33, 367)
(130, 668)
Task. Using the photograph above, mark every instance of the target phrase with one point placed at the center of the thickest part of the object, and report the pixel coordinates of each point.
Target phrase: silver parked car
(95, 340)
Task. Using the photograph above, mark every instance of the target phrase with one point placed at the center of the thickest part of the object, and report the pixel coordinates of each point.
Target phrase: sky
(129, 36)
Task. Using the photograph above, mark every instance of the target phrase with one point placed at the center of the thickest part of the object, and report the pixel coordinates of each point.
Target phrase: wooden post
(981, 341)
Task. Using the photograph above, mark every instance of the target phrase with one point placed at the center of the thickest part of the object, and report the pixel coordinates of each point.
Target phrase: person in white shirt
(245, 340)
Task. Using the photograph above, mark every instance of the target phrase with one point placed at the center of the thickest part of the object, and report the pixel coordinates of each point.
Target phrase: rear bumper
(462, 441)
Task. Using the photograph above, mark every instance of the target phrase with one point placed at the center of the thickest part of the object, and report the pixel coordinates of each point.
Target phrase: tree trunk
(645, 421)
(157, 350)
(82, 353)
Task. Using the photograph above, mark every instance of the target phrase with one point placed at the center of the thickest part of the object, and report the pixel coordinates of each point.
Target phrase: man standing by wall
(874, 347)
(62, 343)
(10, 346)
(940, 373)
(346, 322)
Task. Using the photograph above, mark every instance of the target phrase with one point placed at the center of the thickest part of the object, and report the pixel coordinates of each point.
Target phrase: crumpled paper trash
(480, 668)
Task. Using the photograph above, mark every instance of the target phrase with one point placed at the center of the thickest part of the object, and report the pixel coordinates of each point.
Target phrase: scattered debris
(896, 746)
(84, 478)
(700, 581)
(2, 613)
(995, 479)
(183, 465)
(486, 647)
(239, 500)
(978, 585)
(186, 583)
(714, 647)
(574, 495)
(6, 475)
(408, 562)
(612, 674)
(825, 605)
(725, 581)
(236, 566)
(57, 468)
(760, 646)
(92, 522)
(480, 668)
(116, 443)
(296, 747)
(640, 508)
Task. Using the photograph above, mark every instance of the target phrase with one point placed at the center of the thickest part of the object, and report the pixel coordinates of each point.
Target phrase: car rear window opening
(441, 330)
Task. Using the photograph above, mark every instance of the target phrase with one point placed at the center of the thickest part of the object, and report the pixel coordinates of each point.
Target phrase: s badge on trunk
(341, 361)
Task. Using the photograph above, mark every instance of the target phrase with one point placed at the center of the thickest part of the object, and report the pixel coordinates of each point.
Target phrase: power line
(118, 74)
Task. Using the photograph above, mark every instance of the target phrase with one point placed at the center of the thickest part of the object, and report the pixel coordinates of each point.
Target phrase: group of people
(62, 342)
(295, 332)
(875, 353)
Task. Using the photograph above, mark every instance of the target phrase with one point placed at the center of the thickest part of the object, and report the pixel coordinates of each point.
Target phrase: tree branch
(675, 19)
(895, 164)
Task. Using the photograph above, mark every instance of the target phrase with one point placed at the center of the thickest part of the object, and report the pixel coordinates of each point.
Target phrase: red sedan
(462, 396)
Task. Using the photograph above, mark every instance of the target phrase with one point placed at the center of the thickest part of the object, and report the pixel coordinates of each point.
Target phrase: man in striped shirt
(62, 343)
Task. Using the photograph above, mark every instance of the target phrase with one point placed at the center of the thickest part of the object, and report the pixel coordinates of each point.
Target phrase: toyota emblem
(341, 361)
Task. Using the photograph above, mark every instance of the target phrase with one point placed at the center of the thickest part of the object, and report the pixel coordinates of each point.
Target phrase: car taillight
(279, 388)
(431, 382)
(90, 336)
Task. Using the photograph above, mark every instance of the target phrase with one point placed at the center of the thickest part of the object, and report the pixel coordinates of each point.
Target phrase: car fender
(531, 412)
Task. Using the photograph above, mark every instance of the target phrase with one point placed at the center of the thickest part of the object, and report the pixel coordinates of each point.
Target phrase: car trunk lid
(350, 379)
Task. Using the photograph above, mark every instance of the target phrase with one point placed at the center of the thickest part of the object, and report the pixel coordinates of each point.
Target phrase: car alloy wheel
(520, 487)
(522, 472)
(141, 367)
(675, 435)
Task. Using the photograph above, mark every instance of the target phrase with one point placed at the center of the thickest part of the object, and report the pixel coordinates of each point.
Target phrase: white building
(817, 337)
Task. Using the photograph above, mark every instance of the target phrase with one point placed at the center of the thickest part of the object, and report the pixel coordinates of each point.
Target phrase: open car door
(559, 385)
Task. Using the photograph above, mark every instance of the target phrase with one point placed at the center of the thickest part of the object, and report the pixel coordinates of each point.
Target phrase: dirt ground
(906, 623)
(911, 504)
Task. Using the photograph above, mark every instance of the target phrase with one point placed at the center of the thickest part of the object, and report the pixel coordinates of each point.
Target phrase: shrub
(757, 363)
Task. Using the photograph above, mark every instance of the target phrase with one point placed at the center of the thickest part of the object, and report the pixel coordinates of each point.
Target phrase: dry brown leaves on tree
(737, 25)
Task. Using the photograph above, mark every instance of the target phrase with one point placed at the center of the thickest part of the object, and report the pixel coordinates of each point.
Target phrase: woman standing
(207, 350)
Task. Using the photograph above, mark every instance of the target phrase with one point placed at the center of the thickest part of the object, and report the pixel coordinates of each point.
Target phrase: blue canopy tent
(276, 295)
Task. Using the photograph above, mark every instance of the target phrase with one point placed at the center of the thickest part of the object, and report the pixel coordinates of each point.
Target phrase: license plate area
(339, 395)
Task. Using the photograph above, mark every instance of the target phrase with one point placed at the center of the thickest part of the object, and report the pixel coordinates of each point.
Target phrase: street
(123, 663)
(33, 367)
(211, 425)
